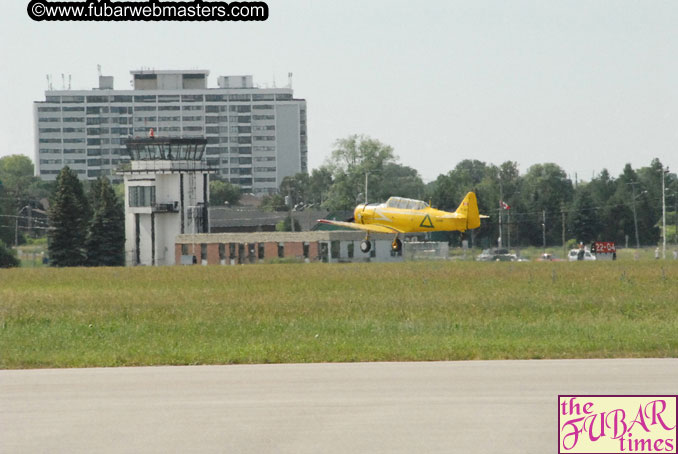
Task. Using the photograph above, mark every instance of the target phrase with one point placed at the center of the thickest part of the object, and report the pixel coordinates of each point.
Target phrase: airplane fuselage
(408, 220)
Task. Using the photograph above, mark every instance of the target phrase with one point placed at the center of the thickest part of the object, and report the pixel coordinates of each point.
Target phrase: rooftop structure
(254, 136)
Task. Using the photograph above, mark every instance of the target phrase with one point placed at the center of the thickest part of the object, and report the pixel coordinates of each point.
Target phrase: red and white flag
(505, 205)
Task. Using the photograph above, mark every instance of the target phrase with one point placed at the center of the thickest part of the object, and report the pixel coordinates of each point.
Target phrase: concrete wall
(292, 250)
(167, 224)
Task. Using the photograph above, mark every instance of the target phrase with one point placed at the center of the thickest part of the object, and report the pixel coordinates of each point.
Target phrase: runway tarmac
(441, 407)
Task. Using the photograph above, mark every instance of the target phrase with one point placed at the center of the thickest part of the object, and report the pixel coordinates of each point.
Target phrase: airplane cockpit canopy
(405, 204)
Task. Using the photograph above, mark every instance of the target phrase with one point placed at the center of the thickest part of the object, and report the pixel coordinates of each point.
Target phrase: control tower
(166, 194)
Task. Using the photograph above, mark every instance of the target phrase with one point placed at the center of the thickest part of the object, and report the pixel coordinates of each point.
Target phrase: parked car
(573, 255)
(496, 255)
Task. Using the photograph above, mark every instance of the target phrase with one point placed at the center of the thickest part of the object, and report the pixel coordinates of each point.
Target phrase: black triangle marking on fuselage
(426, 222)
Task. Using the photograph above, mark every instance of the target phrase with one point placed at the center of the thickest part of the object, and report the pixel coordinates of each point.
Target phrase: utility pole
(562, 213)
(635, 216)
(508, 229)
(543, 229)
(290, 203)
(16, 224)
(501, 208)
(366, 180)
(664, 172)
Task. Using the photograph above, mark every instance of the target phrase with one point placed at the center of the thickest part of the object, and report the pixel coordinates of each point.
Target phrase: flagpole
(508, 230)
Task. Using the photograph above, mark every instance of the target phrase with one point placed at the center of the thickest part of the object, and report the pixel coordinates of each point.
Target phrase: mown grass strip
(353, 312)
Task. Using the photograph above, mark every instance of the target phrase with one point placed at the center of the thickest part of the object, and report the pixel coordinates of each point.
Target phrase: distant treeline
(602, 209)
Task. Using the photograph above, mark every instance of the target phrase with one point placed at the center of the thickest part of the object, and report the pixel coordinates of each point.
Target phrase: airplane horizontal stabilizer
(450, 216)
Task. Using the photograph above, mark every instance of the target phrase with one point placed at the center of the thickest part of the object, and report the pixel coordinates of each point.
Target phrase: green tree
(286, 226)
(397, 180)
(296, 187)
(319, 183)
(224, 193)
(273, 202)
(7, 257)
(352, 159)
(545, 189)
(68, 216)
(648, 209)
(18, 188)
(584, 219)
(105, 242)
(16, 174)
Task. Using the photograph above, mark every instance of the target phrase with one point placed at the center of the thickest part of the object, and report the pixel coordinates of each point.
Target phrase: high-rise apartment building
(255, 136)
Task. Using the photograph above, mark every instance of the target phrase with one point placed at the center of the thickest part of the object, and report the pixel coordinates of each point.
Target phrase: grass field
(351, 312)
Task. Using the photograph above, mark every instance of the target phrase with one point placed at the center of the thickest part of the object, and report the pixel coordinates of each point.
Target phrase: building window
(168, 98)
(266, 97)
(141, 196)
(145, 98)
(66, 99)
(101, 99)
(203, 251)
(281, 250)
(184, 249)
(191, 98)
(242, 98)
(222, 251)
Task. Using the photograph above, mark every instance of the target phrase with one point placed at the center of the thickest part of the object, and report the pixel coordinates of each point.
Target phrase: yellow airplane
(400, 216)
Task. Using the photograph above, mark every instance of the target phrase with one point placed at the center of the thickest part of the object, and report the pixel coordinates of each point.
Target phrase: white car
(574, 254)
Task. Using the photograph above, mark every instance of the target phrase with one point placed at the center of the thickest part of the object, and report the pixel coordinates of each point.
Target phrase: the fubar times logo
(617, 424)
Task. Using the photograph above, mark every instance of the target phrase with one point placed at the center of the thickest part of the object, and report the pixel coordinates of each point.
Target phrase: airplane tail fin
(469, 209)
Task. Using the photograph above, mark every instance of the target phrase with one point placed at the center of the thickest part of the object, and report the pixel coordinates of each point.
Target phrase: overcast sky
(585, 84)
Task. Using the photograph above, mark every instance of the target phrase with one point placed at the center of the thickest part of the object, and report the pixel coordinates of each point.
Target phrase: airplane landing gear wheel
(365, 246)
(397, 245)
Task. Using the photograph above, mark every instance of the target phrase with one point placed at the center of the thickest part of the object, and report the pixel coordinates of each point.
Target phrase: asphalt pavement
(441, 407)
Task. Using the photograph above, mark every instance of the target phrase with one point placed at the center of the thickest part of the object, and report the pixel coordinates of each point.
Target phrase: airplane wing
(375, 228)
